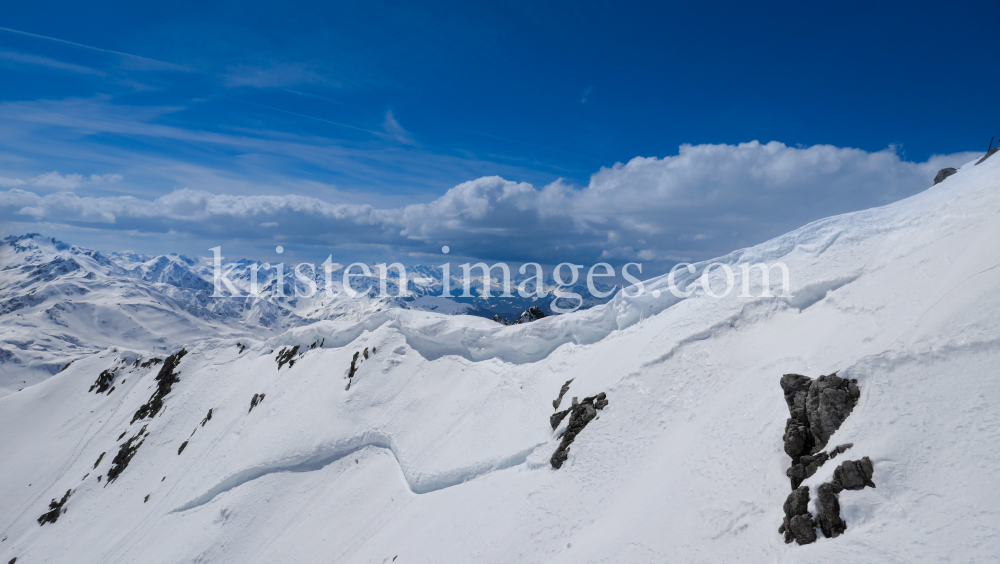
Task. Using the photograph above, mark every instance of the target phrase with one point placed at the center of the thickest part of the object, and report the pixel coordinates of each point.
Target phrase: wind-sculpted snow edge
(326, 455)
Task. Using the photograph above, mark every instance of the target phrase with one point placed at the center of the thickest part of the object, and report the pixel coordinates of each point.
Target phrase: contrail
(306, 116)
(172, 66)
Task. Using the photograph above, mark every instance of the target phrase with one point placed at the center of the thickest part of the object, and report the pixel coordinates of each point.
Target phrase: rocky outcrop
(853, 475)
(806, 466)
(562, 392)
(125, 454)
(165, 381)
(151, 362)
(840, 450)
(533, 313)
(104, 381)
(55, 510)
(988, 154)
(830, 521)
(817, 408)
(798, 524)
(944, 173)
(850, 475)
(286, 355)
(255, 400)
(579, 416)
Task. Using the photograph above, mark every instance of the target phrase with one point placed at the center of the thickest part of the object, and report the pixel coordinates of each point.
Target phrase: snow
(61, 302)
(439, 450)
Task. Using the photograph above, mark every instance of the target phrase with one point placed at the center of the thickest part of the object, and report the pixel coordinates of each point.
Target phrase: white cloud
(703, 202)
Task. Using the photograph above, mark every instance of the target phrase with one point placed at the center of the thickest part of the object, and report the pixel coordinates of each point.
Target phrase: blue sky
(350, 127)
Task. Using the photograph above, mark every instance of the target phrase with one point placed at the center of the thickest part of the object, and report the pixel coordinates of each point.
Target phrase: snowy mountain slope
(60, 302)
(439, 451)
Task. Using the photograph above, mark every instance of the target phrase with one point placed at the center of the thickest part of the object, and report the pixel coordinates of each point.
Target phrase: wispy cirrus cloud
(146, 144)
(35, 60)
(60, 181)
(135, 61)
(392, 127)
(275, 75)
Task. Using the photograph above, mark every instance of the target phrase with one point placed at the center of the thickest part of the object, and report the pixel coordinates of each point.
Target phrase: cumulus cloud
(70, 181)
(703, 202)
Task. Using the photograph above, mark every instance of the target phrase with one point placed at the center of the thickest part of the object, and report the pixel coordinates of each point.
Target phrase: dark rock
(817, 408)
(207, 418)
(125, 454)
(988, 154)
(99, 458)
(798, 524)
(829, 511)
(181, 449)
(257, 398)
(830, 400)
(104, 381)
(147, 498)
(365, 354)
(806, 466)
(944, 173)
(562, 392)
(579, 416)
(285, 356)
(121, 435)
(151, 362)
(165, 381)
(853, 475)
(13, 560)
(501, 321)
(353, 369)
(850, 475)
(840, 450)
(556, 418)
(797, 438)
(533, 313)
(55, 510)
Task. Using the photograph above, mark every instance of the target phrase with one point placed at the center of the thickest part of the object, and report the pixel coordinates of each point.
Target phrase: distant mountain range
(59, 302)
